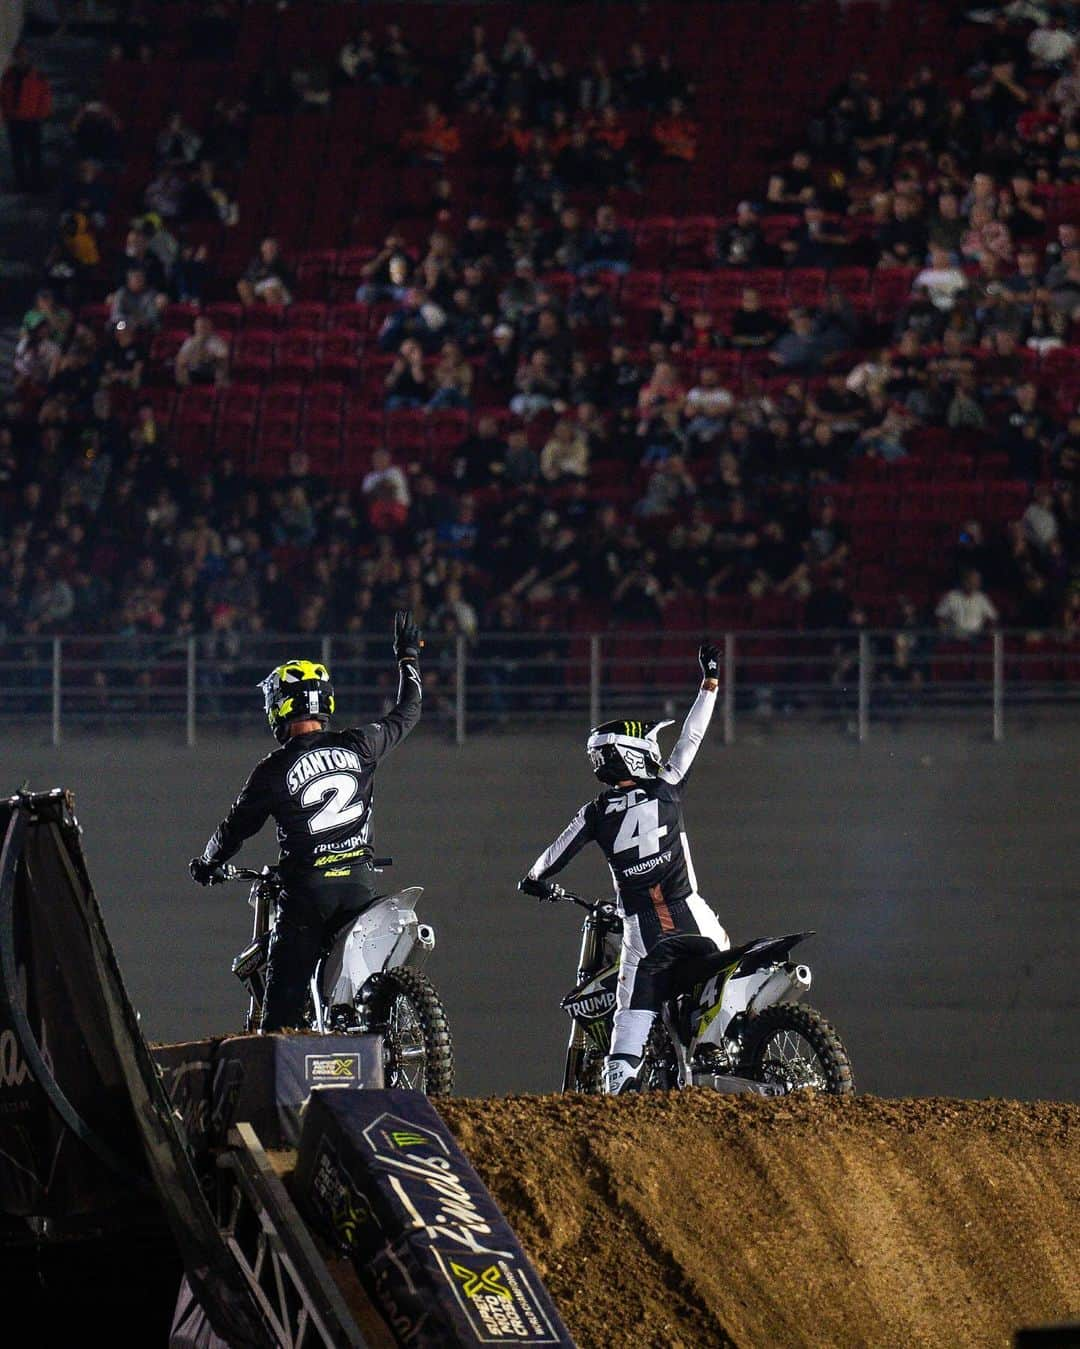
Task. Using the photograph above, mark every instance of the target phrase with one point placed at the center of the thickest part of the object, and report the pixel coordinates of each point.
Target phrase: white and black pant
(656, 939)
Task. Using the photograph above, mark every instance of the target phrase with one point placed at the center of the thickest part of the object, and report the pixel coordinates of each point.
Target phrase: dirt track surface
(686, 1220)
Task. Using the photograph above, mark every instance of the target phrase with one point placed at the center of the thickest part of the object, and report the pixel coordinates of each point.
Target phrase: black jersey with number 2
(320, 789)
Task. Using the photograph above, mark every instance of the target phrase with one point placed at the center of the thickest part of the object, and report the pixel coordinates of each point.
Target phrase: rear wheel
(418, 1049)
(795, 1047)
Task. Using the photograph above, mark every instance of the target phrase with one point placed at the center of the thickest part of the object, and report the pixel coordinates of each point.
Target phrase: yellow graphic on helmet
(297, 688)
(295, 670)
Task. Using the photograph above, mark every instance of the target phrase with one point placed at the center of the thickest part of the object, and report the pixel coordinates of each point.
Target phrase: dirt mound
(693, 1219)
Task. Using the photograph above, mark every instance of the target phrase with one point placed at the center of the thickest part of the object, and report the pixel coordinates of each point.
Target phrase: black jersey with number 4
(319, 788)
(640, 829)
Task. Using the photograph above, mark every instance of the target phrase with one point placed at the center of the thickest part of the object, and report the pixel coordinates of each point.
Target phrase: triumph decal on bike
(590, 1006)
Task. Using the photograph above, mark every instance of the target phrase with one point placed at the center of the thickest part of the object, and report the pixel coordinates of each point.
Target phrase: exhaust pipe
(788, 983)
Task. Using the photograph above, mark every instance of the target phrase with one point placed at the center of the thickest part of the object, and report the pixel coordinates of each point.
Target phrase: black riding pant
(313, 910)
(657, 939)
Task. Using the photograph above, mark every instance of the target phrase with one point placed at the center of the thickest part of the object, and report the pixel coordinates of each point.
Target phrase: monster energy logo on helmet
(624, 749)
(298, 690)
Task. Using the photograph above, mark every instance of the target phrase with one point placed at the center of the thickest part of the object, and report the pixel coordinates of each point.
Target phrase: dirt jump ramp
(685, 1220)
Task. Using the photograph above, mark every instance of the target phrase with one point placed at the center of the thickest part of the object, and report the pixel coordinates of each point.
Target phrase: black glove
(407, 639)
(541, 889)
(709, 659)
(204, 872)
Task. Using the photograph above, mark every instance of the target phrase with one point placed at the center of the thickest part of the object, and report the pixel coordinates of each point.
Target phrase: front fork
(592, 949)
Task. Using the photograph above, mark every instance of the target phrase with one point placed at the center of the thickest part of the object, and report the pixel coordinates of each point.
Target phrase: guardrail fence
(500, 680)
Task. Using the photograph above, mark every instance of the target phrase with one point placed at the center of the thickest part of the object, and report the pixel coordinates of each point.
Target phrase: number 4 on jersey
(641, 828)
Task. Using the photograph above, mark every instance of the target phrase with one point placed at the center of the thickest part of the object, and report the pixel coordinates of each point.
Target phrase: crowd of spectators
(622, 448)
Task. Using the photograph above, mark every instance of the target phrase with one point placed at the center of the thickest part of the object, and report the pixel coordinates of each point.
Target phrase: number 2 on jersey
(334, 793)
(641, 828)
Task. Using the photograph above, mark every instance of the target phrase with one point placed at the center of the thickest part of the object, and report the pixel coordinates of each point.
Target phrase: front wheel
(793, 1046)
(418, 1050)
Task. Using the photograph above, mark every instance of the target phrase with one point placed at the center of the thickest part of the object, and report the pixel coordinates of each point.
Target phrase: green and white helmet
(298, 690)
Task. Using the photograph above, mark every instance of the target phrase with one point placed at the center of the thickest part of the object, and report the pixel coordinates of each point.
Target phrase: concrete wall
(938, 869)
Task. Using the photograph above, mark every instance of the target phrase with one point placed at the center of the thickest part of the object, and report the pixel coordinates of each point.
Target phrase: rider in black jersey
(638, 822)
(319, 787)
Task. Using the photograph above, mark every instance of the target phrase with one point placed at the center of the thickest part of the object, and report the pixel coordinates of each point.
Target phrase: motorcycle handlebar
(589, 905)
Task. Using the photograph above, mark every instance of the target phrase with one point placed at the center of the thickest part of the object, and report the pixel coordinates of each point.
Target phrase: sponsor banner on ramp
(266, 1079)
(380, 1175)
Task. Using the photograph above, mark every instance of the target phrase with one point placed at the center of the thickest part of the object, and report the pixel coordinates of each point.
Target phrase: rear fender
(385, 935)
(748, 994)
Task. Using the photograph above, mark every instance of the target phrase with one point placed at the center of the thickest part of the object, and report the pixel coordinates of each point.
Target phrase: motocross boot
(621, 1074)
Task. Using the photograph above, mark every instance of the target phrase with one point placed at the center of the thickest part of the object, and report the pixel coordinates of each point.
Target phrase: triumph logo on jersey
(318, 761)
(639, 868)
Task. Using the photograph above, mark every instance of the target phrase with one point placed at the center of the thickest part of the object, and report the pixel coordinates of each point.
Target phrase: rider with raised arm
(319, 788)
(638, 822)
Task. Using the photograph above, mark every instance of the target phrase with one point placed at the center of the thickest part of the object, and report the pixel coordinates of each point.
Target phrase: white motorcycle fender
(383, 937)
(752, 992)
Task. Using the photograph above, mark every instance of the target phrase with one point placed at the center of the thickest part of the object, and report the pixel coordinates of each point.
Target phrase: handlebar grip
(382, 861)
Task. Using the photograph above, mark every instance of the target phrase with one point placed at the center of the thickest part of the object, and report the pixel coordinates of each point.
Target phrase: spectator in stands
(966, 612)
(25, 104)
(435, 140)
(792, 186)
(670, 486)
(538, 385)
(607, 246)
(1039, 521)
(136, 304)
(407, 384)
(814, 242)
(203, 357)
(941, 279)
(742, 244)
(176, 142)
(676, 134)
(35, 358)
(752, 326)
(267, 277)
(387, 491)
(417, 318)
(707, 407)
(798, 349)
(452, 379)
(566, 455)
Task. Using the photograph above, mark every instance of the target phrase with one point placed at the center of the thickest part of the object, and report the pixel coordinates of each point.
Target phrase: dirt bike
(734, 1022)
(367, 980)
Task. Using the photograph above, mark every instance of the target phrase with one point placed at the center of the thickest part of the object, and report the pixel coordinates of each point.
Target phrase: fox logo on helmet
(619, 750)
(297, 690)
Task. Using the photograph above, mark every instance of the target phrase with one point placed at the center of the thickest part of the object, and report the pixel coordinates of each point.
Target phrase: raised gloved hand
(407, 639)
(204, 872)
(548, 890)
(709, 659)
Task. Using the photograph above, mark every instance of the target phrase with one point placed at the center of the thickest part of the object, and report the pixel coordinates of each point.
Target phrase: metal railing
(854, 679)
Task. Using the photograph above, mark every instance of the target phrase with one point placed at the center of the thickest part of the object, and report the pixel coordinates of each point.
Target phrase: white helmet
(620, 749)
